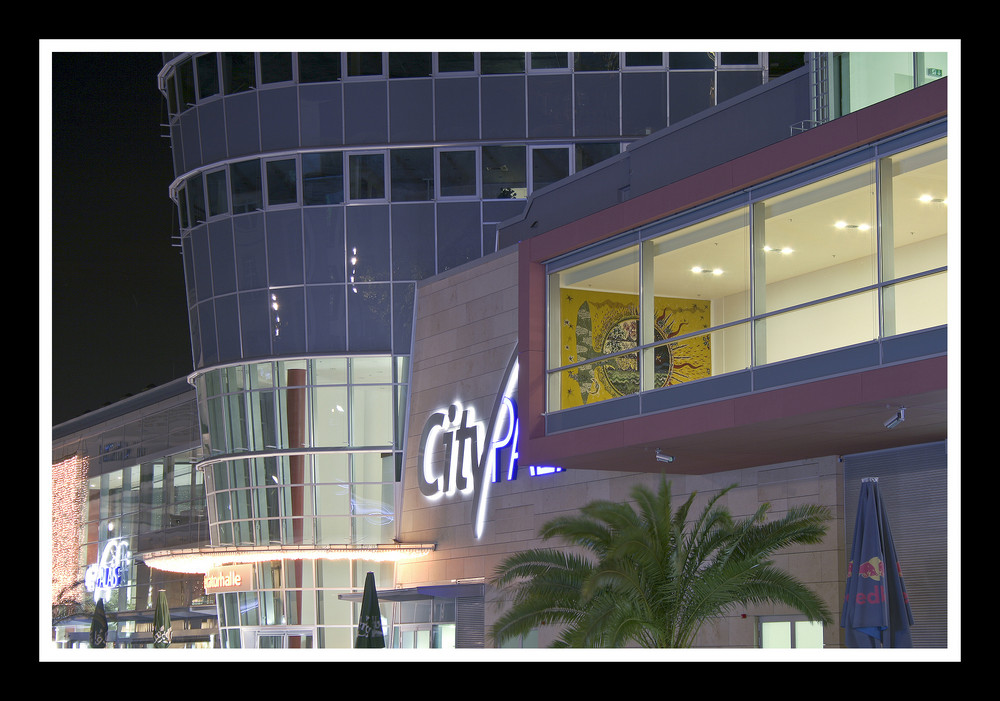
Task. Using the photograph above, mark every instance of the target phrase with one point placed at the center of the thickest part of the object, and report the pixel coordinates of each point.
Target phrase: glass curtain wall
(302, 452)
(787, 270)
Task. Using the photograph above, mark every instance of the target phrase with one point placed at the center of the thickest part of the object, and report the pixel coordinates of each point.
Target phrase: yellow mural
(600, 323)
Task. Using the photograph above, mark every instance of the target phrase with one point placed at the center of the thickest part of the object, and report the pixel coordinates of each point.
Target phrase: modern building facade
(436, 299)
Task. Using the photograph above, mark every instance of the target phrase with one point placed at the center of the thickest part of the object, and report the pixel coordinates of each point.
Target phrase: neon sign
(465, 468)
(110, 573)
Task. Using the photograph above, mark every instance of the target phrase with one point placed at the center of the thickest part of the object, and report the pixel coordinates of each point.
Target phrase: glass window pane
(412, 172)
(208, 75)
(218, 193)
(196, 199)
(867, 77)
(738, 58)
(456, 61)
(817, 328)
(596, 314)
(319, 67)
(701, 278)
(819, 240)
(408, 64)
(776, 634)
(643, 58)
(245, 182)
(281, 187)
(185, 84)
(371, 416)
(238, 72)
(549, 59)
(330, 411)
(275, 67)
(322, 178)
(596, 61)
(915, 222)
(808, 634)
(504, 172)
(458, 173)
(366, 173)
(364, 63)
(548, 165)
(501, 62)
(589, 154)
(691, 59)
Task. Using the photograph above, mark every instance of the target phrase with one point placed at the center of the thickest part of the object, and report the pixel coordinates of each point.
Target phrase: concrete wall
(465, 332)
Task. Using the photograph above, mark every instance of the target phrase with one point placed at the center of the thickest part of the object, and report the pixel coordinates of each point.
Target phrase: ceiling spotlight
(784, 250)
(663, 457)
(894, 421)
(845, 225)
(713, 271)
(931, 198)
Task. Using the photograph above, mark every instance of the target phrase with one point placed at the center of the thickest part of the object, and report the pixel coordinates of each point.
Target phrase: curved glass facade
(303, 451)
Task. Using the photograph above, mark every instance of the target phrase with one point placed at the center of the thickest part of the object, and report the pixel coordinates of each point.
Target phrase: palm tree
(642, 575)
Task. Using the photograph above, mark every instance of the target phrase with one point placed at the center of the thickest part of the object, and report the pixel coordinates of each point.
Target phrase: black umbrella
(370, 621)
(162, 634)
(876, 610)
(99, 626)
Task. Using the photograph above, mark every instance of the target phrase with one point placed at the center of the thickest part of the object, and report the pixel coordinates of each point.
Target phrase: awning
(435, 591)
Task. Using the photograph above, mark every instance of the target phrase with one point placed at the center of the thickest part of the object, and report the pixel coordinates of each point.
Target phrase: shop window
(275, 67)
(412, 174)
(457, 172)
(915, 237)
(700, 296)
(594, 326)
(238, 72)
(208, 75)
(504, 172)
(366, 176)
(322, 178)
(815, 243)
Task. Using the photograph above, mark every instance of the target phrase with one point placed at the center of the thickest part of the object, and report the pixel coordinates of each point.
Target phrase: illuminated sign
(110, 573)
(467, 468)
(229, 578)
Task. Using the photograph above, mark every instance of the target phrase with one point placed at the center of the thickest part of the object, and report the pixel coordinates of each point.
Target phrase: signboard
(476, 454)
(228, 578)
(111, 572)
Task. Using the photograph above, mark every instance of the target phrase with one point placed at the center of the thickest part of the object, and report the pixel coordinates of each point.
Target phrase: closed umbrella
(876, 610)
(162, 633)
(99, 626)
(370, 621)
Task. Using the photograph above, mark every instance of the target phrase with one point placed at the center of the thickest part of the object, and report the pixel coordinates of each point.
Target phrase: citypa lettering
(474, 454)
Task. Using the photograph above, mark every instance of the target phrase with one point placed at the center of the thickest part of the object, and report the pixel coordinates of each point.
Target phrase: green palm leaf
(644, 574)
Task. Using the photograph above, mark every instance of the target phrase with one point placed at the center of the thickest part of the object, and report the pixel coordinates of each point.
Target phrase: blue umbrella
(370, 621)
(876, 610)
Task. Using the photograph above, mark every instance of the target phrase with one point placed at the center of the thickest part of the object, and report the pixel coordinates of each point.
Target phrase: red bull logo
(873, 569)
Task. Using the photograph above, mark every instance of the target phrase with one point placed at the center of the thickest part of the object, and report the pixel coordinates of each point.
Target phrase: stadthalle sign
(476, 454)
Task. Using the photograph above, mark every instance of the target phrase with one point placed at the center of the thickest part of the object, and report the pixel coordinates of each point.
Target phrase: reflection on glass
(458, 173)
(366, 173)
(322, 178)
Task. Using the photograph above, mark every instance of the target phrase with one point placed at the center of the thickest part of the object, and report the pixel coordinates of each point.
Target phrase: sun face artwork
(596, 324)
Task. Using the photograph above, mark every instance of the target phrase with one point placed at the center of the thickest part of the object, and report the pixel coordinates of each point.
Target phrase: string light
(69, 488)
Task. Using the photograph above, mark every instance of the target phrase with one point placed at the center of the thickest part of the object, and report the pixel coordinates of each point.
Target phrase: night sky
(117, 322)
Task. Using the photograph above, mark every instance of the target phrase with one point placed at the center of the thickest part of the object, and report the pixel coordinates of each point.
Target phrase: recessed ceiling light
(845, 225)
